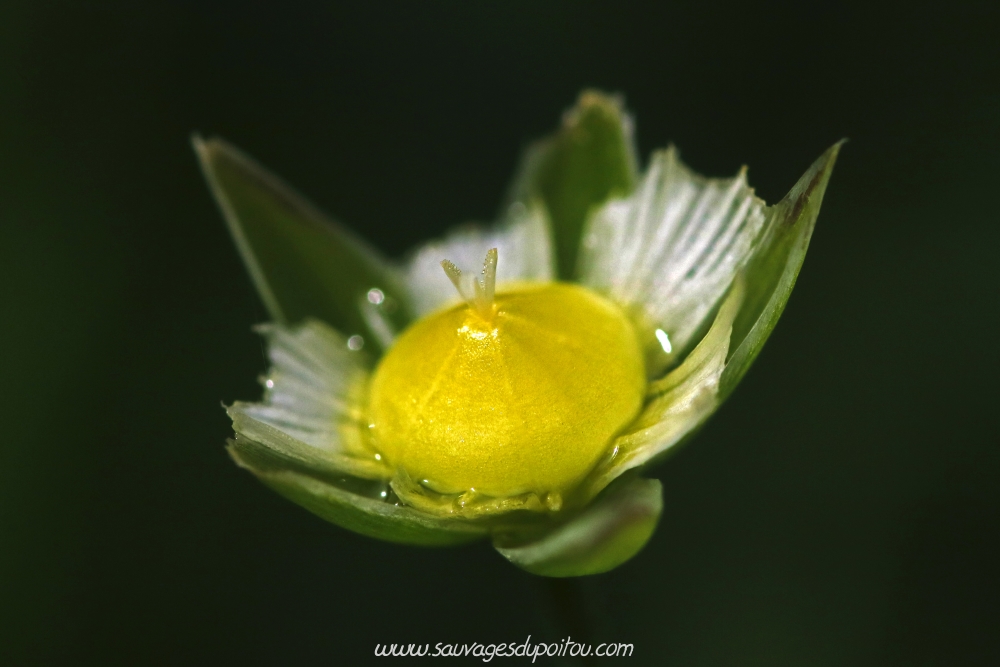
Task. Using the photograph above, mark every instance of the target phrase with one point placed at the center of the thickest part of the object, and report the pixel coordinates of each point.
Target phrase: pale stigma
(478, 291)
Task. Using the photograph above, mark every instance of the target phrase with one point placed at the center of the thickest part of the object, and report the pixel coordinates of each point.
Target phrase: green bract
(701, 267)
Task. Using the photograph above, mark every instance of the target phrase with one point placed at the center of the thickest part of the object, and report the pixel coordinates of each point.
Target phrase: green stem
(570, 611)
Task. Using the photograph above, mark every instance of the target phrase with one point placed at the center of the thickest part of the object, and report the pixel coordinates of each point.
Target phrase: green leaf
(771, 274)
(349, 503)
(608, 532)
(302, 263)
(588, 161)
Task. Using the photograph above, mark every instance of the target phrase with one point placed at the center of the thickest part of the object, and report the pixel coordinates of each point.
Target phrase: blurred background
(842, 509)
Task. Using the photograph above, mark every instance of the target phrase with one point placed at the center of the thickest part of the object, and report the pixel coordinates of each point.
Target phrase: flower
(615, 311)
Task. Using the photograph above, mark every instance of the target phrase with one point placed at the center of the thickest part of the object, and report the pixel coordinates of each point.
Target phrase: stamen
(478, 291)
(457, 279)
(489, 279)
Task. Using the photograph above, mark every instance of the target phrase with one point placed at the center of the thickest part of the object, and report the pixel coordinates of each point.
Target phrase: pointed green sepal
(354, 504)
(608, 532)
(771, 274)
(302, 263)
(589, 160)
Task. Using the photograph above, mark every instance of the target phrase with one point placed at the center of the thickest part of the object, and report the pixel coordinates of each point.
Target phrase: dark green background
(842, 509)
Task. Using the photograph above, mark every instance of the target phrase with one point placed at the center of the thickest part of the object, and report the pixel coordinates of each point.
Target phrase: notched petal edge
(670, 251)
(682, 400)
(311, 409)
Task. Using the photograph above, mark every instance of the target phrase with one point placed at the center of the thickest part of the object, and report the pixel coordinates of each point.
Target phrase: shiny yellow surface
(525, 400)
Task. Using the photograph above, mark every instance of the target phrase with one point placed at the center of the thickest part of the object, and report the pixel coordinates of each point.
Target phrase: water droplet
(376, 296)
(664, 339)
(355, 342)
(553, 500)
(269, 384)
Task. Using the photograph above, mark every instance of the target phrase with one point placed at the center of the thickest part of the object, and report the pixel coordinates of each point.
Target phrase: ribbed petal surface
(309, 410)
(672, 249)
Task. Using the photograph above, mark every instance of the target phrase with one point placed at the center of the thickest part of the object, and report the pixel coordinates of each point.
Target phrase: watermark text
(525, 649)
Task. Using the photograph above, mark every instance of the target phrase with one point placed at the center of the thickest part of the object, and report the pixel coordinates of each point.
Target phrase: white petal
(308, 413)
(677, 404)
(524, 248)
(672, 249)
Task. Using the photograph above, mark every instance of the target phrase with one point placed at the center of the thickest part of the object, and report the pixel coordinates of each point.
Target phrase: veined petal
(676, 405)
(604, 535)
(310, 411)
(523, 242)
(302, 263)
(295, 454)
(671, 250)
(304, 441)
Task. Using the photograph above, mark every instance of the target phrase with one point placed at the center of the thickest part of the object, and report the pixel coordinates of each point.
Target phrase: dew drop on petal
(355, 342)
(553, 501)
(376, 296)
(269, 384)
(664, 339)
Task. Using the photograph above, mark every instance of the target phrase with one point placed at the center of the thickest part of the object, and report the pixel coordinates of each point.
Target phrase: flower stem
(570, 611)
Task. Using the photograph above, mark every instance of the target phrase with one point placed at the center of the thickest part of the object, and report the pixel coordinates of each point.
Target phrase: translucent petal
(608, 532)
(297, 455)
(671, 250)
(677, 404)
(310, 410)
(304, 440)
(524, 248)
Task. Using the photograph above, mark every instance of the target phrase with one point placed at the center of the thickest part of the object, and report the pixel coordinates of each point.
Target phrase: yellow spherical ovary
(525, 399)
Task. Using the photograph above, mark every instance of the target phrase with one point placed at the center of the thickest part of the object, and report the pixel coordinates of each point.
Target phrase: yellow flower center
(513, 393)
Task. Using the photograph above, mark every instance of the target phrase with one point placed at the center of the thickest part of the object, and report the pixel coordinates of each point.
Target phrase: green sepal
(609, 531)
(302, 263)
(589, 160)
(771, 274)
(349, 503)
